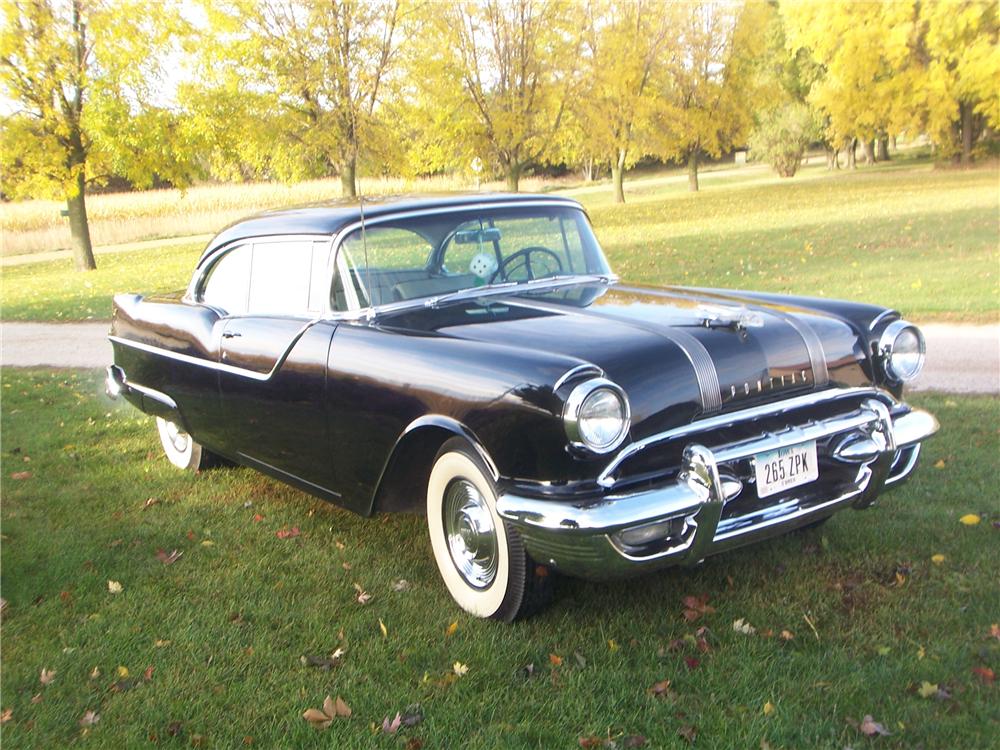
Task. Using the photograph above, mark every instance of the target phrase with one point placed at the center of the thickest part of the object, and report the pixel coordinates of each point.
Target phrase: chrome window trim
(606, 477)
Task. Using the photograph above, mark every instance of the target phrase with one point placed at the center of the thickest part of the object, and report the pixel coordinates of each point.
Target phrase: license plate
(783, 468)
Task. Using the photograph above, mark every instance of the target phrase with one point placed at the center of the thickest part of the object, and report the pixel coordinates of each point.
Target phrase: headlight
(596, 416)
(902, 348)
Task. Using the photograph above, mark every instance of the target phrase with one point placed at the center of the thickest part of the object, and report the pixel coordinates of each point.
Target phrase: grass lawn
(871, 614)
(905, 235)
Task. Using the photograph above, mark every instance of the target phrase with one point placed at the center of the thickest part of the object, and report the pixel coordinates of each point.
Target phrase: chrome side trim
(607, 479)
(577, 371)
(220, 366)
(814, 346)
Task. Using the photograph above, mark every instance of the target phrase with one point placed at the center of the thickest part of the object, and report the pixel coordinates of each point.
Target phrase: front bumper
(685, 520)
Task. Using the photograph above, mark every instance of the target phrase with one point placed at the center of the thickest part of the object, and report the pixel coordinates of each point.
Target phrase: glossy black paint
(353, 410)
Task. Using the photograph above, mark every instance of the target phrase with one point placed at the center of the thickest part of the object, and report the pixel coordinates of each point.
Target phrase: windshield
(397, 260)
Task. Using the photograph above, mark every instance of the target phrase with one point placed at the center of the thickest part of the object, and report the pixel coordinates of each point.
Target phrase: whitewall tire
(181, 449)
(480, 557)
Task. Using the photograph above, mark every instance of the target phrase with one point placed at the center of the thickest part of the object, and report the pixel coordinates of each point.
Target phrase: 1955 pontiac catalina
(474, 358)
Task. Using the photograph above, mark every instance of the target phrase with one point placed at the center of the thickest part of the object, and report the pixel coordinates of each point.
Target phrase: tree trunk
(852, 153)
(618, 176)
(588, 169)
(883, 149)
(79, 227)
(869, 148)
(967, 136)
(832, 158)
(513, 177)
(693, 171)
(348, 177)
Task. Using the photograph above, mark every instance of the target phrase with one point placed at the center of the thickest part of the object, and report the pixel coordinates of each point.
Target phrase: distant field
(905, 235)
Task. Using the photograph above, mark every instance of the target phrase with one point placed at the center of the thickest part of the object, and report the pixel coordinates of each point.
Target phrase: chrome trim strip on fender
(232, 369)
(814, 347)
(577, 371)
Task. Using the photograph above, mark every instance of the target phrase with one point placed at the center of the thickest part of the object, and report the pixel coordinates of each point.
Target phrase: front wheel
(479, 555)
(181, 449)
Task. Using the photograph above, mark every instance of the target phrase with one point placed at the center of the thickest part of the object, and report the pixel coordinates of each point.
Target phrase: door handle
(231, 335)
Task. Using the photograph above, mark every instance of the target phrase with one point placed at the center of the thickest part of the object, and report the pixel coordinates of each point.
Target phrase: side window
(229, 281)
(394, 256)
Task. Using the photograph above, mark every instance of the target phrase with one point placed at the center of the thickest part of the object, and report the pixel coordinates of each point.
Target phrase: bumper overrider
(873, 442)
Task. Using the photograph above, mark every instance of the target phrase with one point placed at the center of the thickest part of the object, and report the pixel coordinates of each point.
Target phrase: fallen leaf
(869, 727)
(450, 630)
(612, 645)
(287, 533)
(921, 652)
(939, 464)
(89, 719)
(555, 660)
(927, 690)
(47, 676)
(174, 728)
(346, 565)
(460, 669)
(696, 606)
(257, 518)
(970, 519)
(391, 727)
(332, 709)
(114, 587)
(168, 558)
(363, 596)
(995, 631)
(412, 715)
(19, 475)
(207, 543)
(691, 662)
(161, 644)
(321, 662)
(937, 559)
(688, 732)
(581, 661)
(147, 675)
(123, 671)
(660, 689)
(401, 585)
(7, 715)
(742, 626)
(985, 674)
(787, 635)
(36, 699)
(383, 628)
(95, 673)
(340, 544)
(768, 708)
(150, 502)
(414, 743)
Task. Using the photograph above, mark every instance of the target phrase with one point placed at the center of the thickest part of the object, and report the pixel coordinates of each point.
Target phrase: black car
(473, 357)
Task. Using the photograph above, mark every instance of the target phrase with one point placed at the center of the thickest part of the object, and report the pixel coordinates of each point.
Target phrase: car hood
(677, 352)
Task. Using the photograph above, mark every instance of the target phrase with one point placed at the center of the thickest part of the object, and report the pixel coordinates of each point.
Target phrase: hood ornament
(737, 318)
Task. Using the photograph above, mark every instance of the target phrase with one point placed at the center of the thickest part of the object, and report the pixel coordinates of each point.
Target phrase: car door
(273, 360)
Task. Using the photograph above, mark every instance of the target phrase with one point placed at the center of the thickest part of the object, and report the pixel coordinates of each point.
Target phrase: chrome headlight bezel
(894, 373)
(574, 405)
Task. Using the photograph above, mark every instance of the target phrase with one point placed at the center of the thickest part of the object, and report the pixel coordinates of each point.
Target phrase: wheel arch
(412, 457)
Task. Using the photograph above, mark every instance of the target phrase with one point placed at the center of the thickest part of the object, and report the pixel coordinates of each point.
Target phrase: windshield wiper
(534, 285)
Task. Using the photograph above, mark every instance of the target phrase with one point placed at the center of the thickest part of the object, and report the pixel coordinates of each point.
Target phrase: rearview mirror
(477, 236)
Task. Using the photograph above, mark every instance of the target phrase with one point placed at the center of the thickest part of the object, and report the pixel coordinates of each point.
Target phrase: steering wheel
(524, 255)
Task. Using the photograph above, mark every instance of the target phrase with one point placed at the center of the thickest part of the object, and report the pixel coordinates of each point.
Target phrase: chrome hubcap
(180, 440)
(472, 537)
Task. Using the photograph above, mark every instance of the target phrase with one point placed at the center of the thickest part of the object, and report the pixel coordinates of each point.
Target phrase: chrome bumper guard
(684, 518)
(152, 401)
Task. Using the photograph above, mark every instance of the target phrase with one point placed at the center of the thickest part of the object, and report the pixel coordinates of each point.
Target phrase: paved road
(960, 358)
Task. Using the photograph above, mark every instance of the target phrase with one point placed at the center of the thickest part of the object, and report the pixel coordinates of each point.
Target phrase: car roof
(329, 217)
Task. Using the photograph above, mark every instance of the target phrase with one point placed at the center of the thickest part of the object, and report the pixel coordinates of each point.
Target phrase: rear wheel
(481, 557)
(181, 449)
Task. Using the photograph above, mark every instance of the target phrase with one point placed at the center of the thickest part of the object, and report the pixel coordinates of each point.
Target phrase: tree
(782, 135)
(708, 90)
(625, 43)
(870, 85)
(963, 67)
(79, 75)
(315, 74)
(496, 78)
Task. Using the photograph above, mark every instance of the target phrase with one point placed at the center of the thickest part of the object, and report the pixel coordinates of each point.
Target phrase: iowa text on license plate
(783, 468)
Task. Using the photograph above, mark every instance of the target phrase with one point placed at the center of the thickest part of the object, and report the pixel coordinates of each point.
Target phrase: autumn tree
(707, 93)
(625, 43)
(79, 76)
(495, 77)
(309, 76)
(962, 73)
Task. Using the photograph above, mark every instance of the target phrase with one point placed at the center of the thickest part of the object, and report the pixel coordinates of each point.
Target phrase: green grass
(240, 612)
(908, 236)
